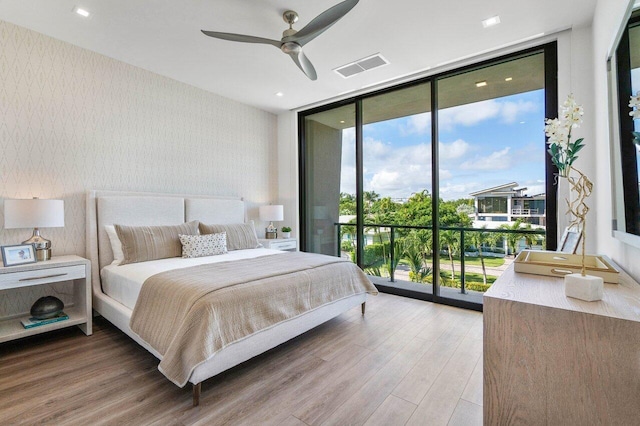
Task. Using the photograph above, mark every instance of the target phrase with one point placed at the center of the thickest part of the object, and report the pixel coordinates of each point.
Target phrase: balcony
(402, 256)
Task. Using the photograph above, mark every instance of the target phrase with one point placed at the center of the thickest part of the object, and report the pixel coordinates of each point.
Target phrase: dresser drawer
(283, 245)
(41, 276)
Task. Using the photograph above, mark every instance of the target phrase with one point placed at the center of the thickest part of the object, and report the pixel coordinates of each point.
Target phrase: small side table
(285, 244)
(58, 269)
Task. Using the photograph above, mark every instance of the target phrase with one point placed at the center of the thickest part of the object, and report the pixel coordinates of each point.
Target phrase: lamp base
(42, 245)
(43, 254)
(270, 235)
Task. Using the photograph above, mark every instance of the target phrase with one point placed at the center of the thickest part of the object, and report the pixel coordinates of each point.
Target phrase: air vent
(361, 65)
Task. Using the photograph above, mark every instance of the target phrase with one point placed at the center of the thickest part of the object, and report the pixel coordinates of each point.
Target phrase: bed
(116, 289)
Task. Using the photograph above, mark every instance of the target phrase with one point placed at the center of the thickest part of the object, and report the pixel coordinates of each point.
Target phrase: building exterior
(508, 203)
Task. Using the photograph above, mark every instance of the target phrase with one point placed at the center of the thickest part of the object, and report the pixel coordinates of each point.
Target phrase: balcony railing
(525, 212)
(463, 233)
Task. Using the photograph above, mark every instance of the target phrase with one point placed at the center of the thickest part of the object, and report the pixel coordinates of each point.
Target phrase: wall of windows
(492, 205)
(386, 177)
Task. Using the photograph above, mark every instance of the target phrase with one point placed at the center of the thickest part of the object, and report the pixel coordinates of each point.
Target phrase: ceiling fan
(293, 40)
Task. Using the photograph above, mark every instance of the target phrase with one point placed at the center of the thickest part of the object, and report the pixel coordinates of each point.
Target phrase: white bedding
(123, 282)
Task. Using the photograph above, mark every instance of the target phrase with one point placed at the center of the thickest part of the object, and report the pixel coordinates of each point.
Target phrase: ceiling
(163, 36)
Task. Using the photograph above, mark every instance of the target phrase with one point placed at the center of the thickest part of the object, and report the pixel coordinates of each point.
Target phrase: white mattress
(123, 282)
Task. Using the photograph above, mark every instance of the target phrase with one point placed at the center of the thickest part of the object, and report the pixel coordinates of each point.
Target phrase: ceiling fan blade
(321, 22)
(304, 63)
(242, 38)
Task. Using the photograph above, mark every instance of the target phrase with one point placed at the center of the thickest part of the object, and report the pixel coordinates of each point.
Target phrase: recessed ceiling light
(508, 79)
(341, 121)
(82, 12)
(481, 83)
(279, 94)
(490, 22)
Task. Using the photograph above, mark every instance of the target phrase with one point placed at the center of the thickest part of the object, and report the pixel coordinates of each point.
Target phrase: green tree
(347, 204)
(369, 197)
(480, 238)
(512, 238)
(417, 210)
(451, 240)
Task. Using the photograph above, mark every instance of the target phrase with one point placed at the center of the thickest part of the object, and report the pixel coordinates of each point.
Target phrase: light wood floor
(405, 362)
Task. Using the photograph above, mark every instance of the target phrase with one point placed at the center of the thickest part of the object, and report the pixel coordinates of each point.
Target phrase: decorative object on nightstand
(46, 307)
(18, 254)
(286, 232)
(271, 213)
(563, 154)
(35, 213)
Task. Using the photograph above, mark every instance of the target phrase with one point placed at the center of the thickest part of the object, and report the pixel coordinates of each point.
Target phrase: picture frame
(569, 241)
(18, 254)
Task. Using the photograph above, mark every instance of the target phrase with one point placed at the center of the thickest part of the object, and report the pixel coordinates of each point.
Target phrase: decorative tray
(555, 264)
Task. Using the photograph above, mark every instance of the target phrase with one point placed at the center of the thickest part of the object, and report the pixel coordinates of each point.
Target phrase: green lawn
(473, 261)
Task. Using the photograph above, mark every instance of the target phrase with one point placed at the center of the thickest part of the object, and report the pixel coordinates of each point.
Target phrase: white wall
(73, 120)
(608, 18)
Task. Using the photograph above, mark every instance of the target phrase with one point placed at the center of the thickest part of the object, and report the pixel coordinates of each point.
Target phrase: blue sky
(483, 144)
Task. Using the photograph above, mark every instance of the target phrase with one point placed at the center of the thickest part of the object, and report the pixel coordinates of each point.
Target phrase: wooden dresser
(553, 360)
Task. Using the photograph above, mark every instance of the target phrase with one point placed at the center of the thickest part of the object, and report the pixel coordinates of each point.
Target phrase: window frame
(551, 184)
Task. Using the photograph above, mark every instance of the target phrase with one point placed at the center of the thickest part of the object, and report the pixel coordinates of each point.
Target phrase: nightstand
(58, 269)
(286, 244)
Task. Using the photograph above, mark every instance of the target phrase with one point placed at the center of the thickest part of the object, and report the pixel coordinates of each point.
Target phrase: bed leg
(196, 394)
(363, 307)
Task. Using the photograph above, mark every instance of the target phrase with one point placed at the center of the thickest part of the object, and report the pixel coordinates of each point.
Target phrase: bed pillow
(239, 235)
(116, 245)
(203, 245)
(143, 243)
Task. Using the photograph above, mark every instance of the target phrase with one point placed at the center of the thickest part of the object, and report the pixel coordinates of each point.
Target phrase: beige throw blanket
(189, 314)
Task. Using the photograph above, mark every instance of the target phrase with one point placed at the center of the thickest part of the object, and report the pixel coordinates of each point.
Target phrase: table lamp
(270, 214)
(35, 213)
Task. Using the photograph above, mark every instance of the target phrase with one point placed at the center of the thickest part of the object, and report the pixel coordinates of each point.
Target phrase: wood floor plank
(342, 372)
(417, 383)
(368, 398)
(466, 414)
(473, 391)
(440, 402)
(335, 394)
(393, 411)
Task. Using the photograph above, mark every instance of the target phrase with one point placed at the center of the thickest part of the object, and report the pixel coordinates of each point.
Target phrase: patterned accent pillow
(203, 245)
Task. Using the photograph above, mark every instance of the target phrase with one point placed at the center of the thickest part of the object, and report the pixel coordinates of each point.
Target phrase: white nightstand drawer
(283, 245)
(41, 276)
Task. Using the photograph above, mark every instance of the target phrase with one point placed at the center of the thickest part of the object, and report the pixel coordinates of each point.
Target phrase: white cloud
(474, 113)
(497, 160)
(511, 110)
(418, 124)
(453, 150)
(450, 191)
(468, 114)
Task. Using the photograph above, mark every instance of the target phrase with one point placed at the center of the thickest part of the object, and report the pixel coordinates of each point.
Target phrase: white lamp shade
(272, 213)
(33, 213)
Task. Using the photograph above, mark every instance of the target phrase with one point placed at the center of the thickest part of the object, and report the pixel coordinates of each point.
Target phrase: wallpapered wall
(73, 120)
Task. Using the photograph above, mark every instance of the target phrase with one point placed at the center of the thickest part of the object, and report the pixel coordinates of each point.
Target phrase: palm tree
(413, 252)
(450, 239)
(479, 238)
(512, 238)
(370, 197)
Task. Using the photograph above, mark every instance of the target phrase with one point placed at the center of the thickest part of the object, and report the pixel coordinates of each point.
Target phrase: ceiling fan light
(80, 11)
(490, 22)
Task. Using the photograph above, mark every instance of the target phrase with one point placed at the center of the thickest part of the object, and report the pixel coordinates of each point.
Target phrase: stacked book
(34, 322)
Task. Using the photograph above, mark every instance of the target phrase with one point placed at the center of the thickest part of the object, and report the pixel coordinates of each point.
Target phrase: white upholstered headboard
(141, 208)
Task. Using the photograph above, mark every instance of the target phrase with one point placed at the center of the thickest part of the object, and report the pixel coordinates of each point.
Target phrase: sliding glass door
(434, 186)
